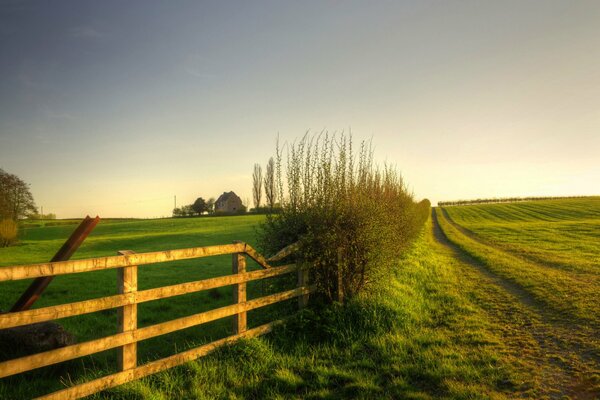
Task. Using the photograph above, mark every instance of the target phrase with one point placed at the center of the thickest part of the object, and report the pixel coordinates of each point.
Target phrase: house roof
(225, 196)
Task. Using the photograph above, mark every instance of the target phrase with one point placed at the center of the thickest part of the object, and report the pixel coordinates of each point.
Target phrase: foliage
(16, 200)
(8, 232)
(270, 188)
(184, 211)
(210, 205)
(343, 211)
(200, 206)
(41, 216)
(257, 182)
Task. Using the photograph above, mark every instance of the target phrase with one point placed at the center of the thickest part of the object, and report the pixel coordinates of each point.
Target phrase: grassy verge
(419, 337)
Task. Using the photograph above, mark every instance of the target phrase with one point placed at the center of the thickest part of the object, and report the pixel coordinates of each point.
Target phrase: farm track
(556, 355)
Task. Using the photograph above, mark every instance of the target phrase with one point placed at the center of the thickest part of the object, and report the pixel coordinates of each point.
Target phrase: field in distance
(546, 255)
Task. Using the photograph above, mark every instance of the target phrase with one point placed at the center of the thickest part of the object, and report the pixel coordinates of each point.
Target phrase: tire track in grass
(583, 284)
(564, 299)
(558, 362)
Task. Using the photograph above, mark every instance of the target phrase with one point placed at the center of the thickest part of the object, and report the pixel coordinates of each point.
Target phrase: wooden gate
(128, 334)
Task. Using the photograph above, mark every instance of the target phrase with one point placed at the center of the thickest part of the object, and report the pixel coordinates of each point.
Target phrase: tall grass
(336, 202)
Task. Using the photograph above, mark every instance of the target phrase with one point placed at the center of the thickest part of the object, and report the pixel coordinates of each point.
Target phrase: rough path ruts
(577, 332)
(544, 347)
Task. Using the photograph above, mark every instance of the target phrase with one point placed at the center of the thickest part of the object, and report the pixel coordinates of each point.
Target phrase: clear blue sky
(113, 107)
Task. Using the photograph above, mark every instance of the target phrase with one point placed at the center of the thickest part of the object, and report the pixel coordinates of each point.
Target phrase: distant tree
(257, 181)
(16, 201)
(200, 206)
(187, 211)
(41, 216)
(210, 205)
(270, 188)
(177, 212)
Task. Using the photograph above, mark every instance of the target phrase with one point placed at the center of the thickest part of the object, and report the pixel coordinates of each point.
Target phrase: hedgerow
(348, 216)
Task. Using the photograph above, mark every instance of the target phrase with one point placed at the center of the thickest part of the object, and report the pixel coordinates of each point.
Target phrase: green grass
(549, 248)
(437, 328)
(420, 337)
(39, 244)
(547, 253)
(562, 233)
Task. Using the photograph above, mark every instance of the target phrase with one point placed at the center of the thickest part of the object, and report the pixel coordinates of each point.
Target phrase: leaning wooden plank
(88, 388)
(286, 251)
(253, 254)
(17, 272)
(50, 357)
(10, 320)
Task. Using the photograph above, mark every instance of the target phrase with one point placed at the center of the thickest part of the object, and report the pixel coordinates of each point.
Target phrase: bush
(8, 232)
(346, 214)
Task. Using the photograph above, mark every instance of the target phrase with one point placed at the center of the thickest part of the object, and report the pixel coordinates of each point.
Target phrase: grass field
(422, 336)
(547, 254)
(40, 243)
(470, 312)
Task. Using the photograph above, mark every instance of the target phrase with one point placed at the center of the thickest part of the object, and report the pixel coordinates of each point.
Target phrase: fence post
(302, 281)
(238, 265)
(127, 282)
(340, 273)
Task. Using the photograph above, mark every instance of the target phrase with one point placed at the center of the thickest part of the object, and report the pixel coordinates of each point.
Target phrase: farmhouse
(228, 202)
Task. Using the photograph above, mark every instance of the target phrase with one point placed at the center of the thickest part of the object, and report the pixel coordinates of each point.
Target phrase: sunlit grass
(418, 337)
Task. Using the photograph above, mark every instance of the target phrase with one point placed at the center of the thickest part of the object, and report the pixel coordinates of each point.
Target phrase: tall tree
(200, 206)
(270, 188)
(210, 205)
(257, 181)
(16, 201)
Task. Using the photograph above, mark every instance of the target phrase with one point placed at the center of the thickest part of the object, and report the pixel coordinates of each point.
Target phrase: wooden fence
(128, 334)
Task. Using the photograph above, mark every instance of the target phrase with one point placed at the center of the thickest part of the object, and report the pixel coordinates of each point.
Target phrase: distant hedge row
(504, 200)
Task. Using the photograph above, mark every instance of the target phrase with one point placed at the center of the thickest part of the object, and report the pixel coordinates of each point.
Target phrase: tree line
(198, 207)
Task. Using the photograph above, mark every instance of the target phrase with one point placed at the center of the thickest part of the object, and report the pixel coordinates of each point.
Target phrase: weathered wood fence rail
(129, 296)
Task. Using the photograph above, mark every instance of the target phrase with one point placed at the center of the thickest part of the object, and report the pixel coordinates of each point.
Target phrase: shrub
(346, 214)
(8, 232)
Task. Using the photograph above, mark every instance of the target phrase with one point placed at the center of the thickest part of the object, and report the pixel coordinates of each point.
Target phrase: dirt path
(554, 359)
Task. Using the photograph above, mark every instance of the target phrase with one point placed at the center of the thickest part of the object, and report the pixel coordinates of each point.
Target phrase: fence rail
(128, 334)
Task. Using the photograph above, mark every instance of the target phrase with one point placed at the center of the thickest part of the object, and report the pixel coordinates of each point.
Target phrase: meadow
(412, 338)
(478, 307)
(38, 244)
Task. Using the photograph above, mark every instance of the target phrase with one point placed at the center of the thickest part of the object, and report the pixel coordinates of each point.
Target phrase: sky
(113, 108)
